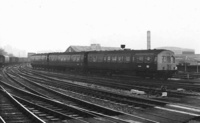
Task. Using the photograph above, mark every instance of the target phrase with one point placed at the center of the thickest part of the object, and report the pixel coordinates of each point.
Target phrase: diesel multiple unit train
(147, 63)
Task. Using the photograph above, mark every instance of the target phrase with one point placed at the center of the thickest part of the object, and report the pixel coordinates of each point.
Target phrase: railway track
(155, 111)
(106, 114)
(132, 101)
(118, 98)
(148, 86)
(12, 111)
(51, 110)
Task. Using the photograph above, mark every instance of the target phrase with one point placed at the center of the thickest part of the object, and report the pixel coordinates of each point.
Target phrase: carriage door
(168, 63)
(85, 60)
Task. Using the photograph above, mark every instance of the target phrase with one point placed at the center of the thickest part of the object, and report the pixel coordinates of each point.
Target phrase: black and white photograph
(99, 61)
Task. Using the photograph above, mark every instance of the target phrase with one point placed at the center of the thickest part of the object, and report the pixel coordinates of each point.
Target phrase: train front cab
(166, 65)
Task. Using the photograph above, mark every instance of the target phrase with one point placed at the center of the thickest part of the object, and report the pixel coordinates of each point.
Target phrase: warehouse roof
(92, 47)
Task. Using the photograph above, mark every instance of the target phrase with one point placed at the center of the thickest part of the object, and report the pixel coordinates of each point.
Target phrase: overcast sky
(35, 25)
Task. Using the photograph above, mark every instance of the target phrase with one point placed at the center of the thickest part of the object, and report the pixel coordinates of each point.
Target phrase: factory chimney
(148, 40)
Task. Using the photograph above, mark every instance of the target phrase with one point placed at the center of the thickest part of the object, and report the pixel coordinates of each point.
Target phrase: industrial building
(92, 47)
(186, 59)
(178, 50)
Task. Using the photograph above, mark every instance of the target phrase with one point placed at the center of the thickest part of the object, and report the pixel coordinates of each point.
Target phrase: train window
(63, 58)
(94, 58)
(55, 58)
(78, 58)
(82, 57)
(104, 58)
(164, 59)
(155, 60)
(43, 58)
(67, 58)
(108, 58)
(50, 58)
(140, 59)
(120, 59)
(168, 59)
(127, 59)
(73, 58)
(100, 59)
(39, 58)
(172, 59)
(147, 59)
(59, 58)
(114, 58)
(90, 58)
(133, 59)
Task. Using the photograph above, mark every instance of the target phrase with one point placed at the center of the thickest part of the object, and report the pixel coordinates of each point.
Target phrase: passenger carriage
(39, 60)
(63, 61)
(152, 63)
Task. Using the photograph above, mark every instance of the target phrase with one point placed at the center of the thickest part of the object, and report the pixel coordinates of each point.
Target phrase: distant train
(6, 60)
(146, 63)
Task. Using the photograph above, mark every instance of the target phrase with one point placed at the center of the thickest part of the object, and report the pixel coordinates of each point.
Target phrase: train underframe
(162, 74)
